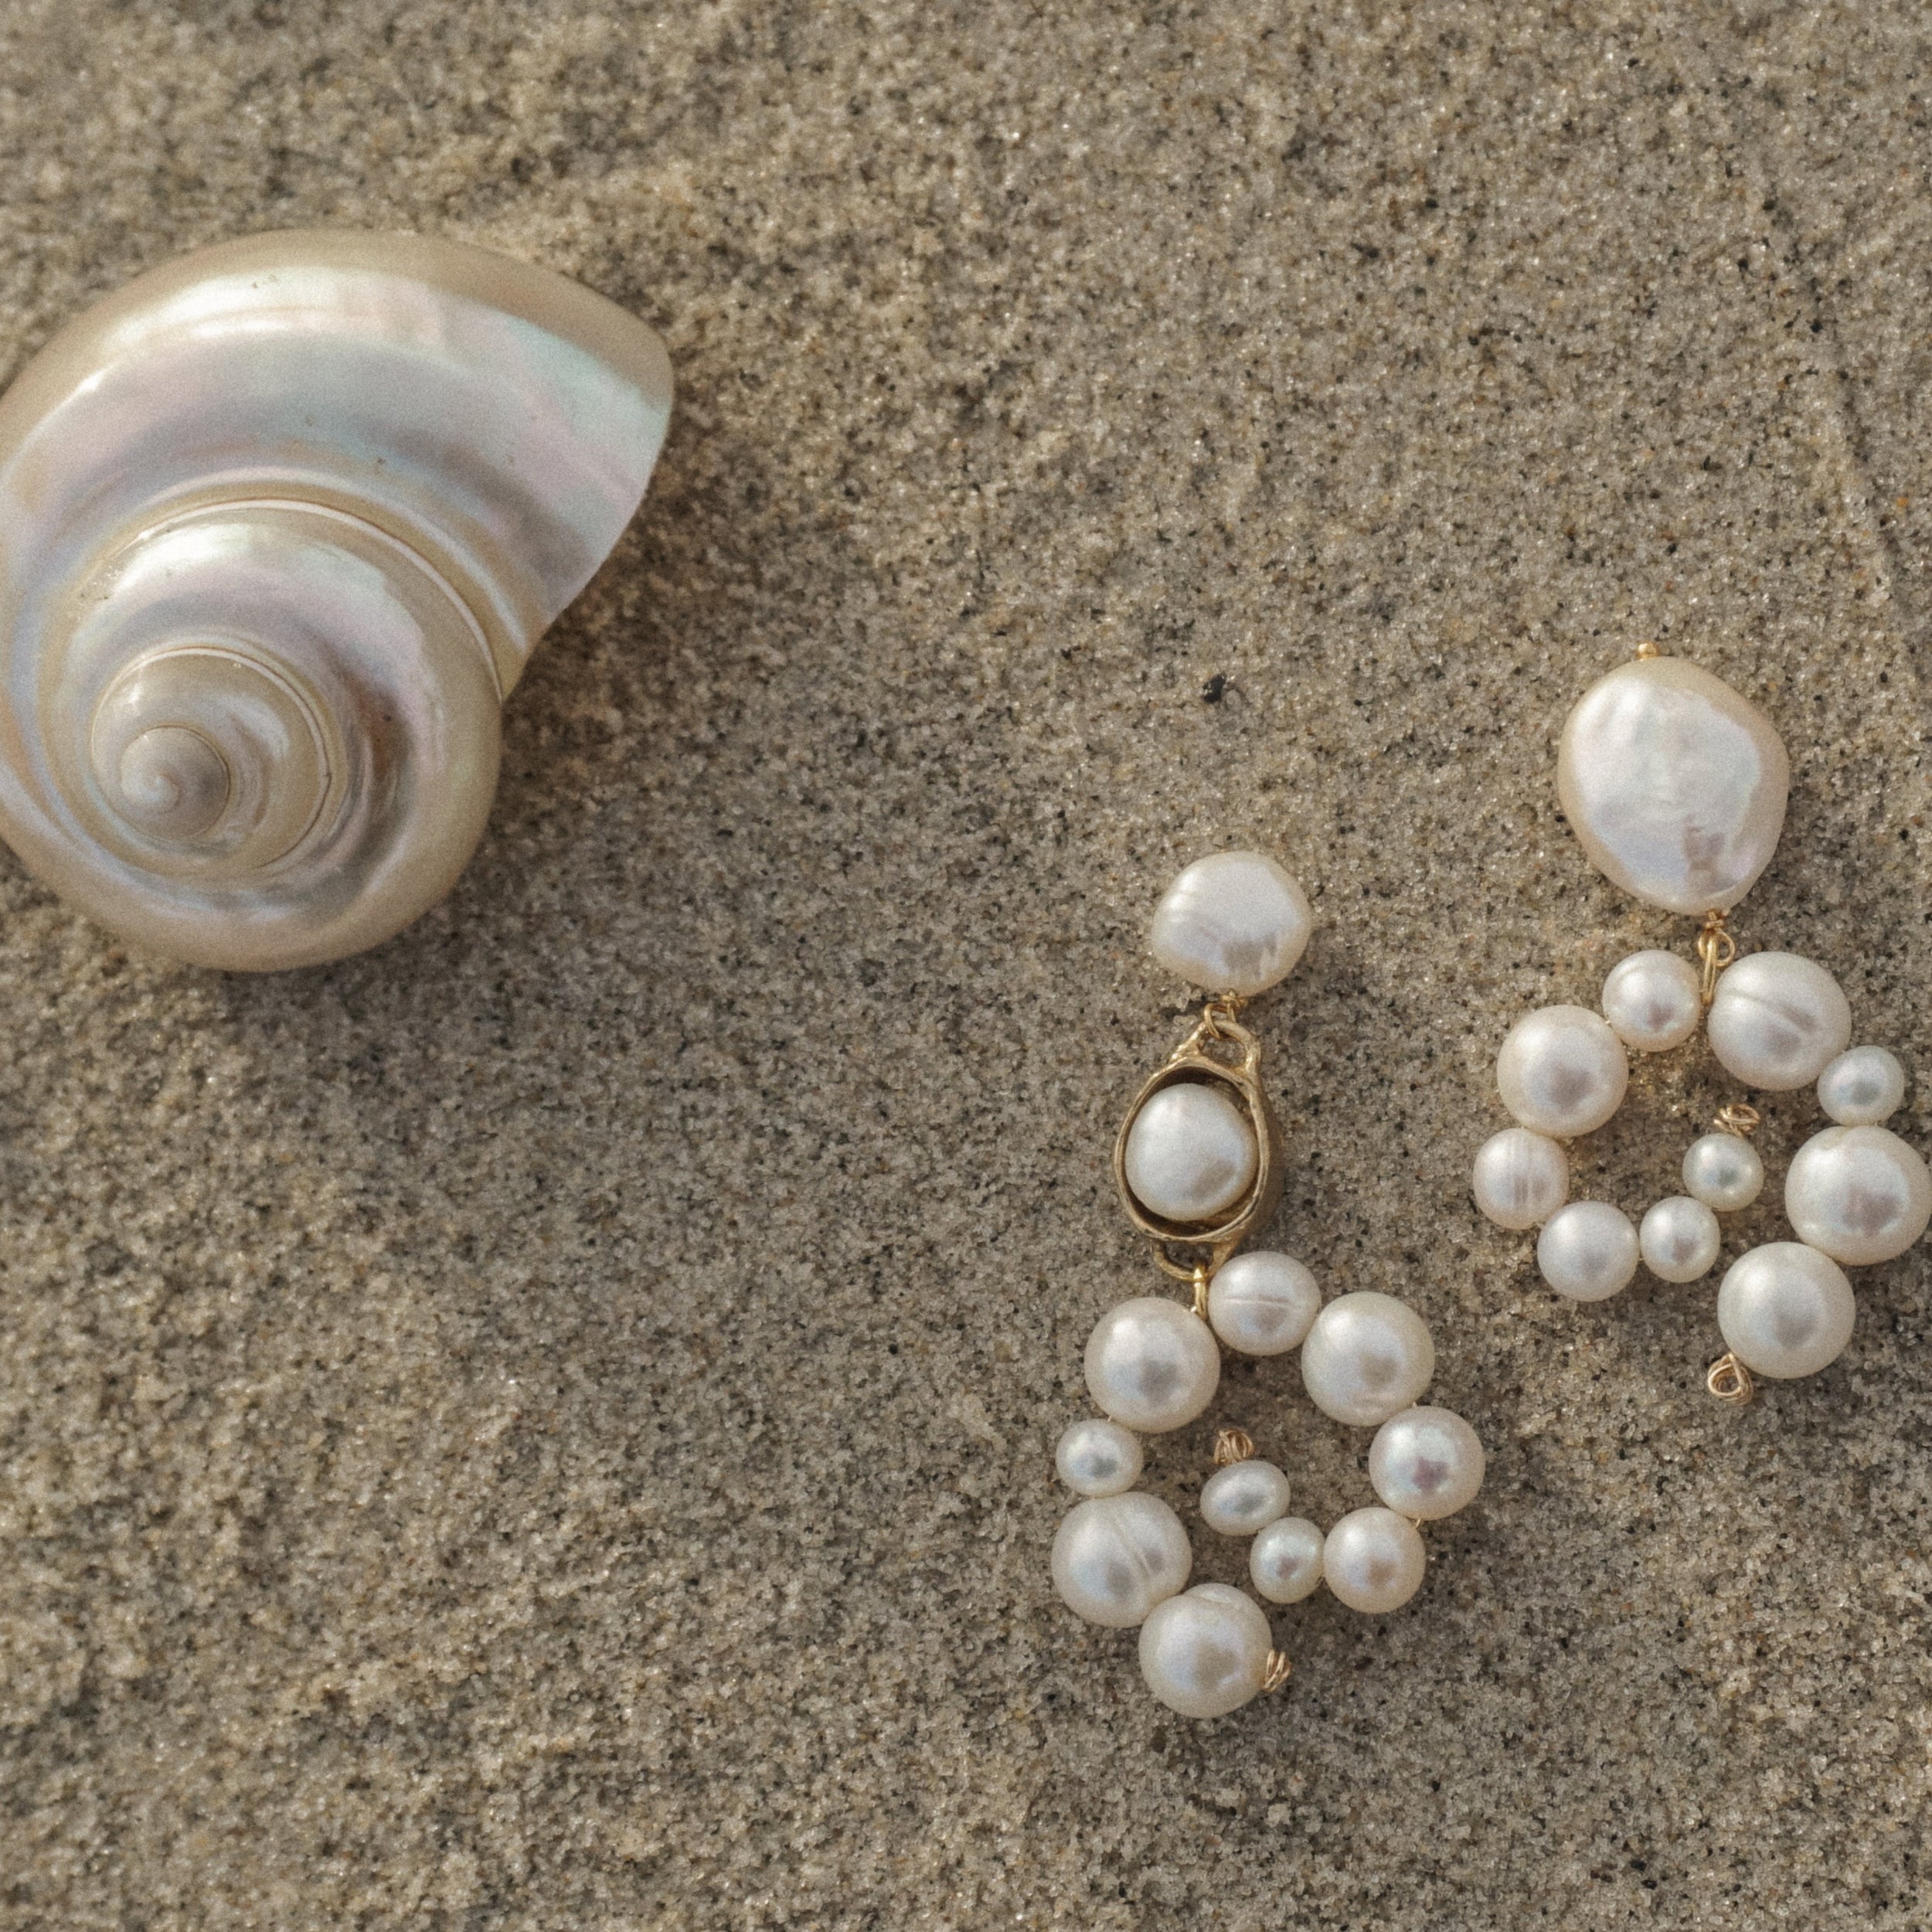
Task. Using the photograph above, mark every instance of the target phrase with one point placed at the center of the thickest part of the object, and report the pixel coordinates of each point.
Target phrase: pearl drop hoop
(1198, 1163)
(1676, 785)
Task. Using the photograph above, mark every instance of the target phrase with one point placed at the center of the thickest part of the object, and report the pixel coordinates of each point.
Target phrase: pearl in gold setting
(1191, 1153)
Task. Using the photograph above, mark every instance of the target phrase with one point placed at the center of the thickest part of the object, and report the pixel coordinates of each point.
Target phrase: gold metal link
(1729, 1380)
(1278, 1672)
(1715, 950)
(1738, 1118)
(1231, 1445)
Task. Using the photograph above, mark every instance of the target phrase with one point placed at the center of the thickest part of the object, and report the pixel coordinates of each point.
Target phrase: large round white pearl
(1776, 1021)
(1262, 1304)
(1562, 1071)
(1863, 1087)
(1374, 1559)
(1679, 1239)
(1285, 1561)
(1426, 1463)
(1366, 1356)
(1520, 1177)
(1236, 922)
(1859, 1193)
(1116, 1557)
(1724, 1171)
(1243, 1497)
(1098, 1458)
(1785, 1310)
(1152, 1364)
(1675, 784)
(1587, 1250)
(1191, 1153)
(1205, 1653)
(1653, 1001)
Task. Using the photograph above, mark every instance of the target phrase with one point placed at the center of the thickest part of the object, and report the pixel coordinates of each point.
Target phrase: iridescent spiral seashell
(280, 524)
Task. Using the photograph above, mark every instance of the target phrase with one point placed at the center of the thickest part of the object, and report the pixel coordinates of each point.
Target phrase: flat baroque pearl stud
(1233, 923)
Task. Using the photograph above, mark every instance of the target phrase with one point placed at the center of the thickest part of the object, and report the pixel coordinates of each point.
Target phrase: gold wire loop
(1232, 1446)
(1278, 1672)
(1739, 1118)
(1715, 950)
(1647, 649)
(1729, 1380)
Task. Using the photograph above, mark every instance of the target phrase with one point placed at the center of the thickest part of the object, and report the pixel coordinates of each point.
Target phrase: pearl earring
(1675, 787)
(1197, 1162)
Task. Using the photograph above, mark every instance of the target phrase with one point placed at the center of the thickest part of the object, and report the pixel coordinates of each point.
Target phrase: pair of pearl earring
(1199, 1164)
(1676, 785)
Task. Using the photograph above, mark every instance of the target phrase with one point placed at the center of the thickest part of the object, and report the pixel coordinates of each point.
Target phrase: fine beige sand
(550, 1424)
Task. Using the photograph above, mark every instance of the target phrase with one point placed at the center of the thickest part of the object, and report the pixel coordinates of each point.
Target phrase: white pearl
(1520, 1177)
(1777, 1021)
(1285, 1561)
(1785, 1310)
(1236, 922)
(1863, 1087)
(1587, 1250)
(1243, 1497)
(1859, 1193)
(1116, 1557)
(1426, 1462)
(1653, 1001)
(1098, 1458)
(1374, 1559)
(1191, 1153)
(1366, 1356)
(1262, 1304)
(1724, 1171)
(1679, 1239)
(1152, 1364)
(1675, 784)
(1205, 1654)
(1562, 1071)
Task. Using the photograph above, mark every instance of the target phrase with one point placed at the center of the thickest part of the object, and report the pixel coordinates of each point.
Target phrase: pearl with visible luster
(1234, 923)
(1098, 1458)
(1116, 1557)
(1426, 1463)
(1776, 1021)
(1520, 1177)
(1679, 1239)
(1191, 1153)
(1653, 1001)
(1205, 1652)
(1724, 1171)
(1562, 1071)
(1863, 1087)
(1859, 1193)
(1785, 1310)
(1587, 1251)
(1366, 1356)
(1243, 1497)
(1373, 1560)
(1262, 1304)
(1152, 1365)
(1285, 1561)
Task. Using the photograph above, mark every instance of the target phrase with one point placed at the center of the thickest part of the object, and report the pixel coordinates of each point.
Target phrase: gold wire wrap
(1730, 1381)
(1278, 1672)
(1737, 1118)
(1647, 649)
(1715, 950)
(1232, 1446)
(1201, 1278)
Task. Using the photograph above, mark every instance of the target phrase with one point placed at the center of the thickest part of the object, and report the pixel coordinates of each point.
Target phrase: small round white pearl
(1653, 1001)
(1724, 1171)
(1205, 1653)
(1116, 1557)
(1152, 1364)
(1374, 1560)
(1191, 1153)
(1859, 1193)
(1285, 1561)
(1520, 1177)
(1785, 1310)
(1587, 1250)
(1426, 1462)
(1777, 1021)
(1098, 1458)
(1234, 923)
(1262, 1304)
(1243, 1497)
(1366, 1356)
(1862, 1088)
(1679, 1239)
(1562, 1071)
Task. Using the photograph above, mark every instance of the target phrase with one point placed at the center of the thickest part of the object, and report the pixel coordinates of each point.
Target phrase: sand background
(548, 1424)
